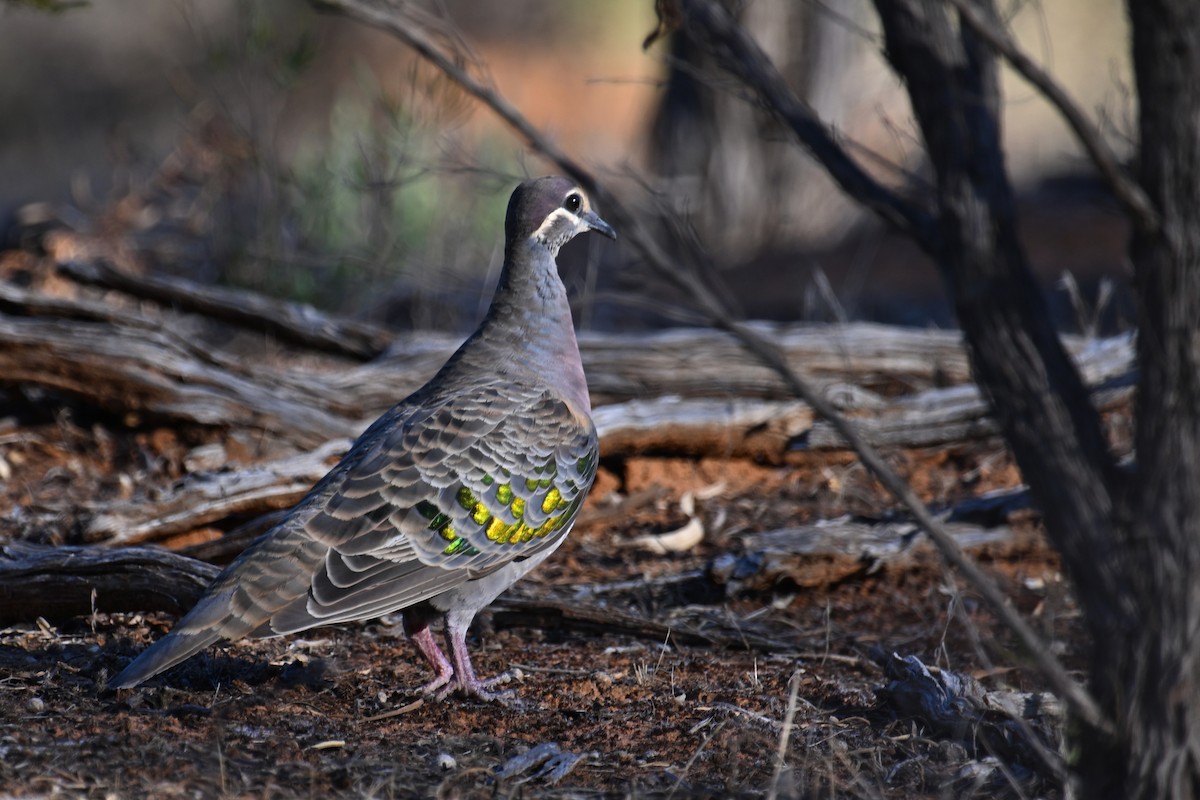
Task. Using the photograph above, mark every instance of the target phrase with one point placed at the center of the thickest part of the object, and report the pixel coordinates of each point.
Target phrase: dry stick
(686, 767)
(290, 321)
(1074, 695)
(1126, 190)
(785, 734)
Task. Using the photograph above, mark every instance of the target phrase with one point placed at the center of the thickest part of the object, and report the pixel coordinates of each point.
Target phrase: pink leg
(442, 671)
(464, 673)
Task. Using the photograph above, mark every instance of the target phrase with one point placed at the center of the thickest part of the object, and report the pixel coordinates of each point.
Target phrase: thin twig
(389, 17)
(785, 734)
(686, 767)
(1124, 188)
(396, 712)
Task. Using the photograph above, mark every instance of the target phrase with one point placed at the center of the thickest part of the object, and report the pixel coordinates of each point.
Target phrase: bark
(768, 432)
(62, 582)
(1133, 564)
(1039, 399)
(1035, 393)
(822, 555)
(1018, 729)
(152, 373)
(290, 322)
(1153, 682)
(1130, 548)
(205, 498)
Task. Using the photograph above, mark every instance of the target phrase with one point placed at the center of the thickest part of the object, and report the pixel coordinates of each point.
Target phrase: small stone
(446, 762)
(36, 705)
(951, 752)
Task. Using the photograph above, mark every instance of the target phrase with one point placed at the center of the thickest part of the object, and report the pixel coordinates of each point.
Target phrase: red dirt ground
(332, 712)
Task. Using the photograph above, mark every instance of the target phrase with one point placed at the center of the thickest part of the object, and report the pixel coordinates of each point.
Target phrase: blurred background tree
(305, 156)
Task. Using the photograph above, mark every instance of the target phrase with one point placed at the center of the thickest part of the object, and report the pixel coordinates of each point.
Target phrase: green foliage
(376, 202)
(385, 199)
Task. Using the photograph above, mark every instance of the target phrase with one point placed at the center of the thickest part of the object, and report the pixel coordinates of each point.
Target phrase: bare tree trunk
(1130, 545)
(729, 166)
(1153, 682)
(1133, 564)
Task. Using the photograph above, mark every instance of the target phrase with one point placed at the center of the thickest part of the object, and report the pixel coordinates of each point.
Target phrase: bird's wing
(461, 488)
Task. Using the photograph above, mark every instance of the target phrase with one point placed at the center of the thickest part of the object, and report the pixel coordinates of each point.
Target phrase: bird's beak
(598, 225)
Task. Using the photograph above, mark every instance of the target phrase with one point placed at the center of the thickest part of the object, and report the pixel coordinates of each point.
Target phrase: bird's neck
(530, 325)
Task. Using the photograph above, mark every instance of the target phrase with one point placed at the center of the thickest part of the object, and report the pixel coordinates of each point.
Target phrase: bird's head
(552, 211)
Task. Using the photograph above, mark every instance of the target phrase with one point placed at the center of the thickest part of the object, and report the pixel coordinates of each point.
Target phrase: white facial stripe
(555, 220)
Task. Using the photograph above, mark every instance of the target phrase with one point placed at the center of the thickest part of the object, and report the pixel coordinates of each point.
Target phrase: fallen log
(206, 497)
(143, 372)
(706, 395)
(148, 372)
(815, 556)
(58, 583)
(297, 323)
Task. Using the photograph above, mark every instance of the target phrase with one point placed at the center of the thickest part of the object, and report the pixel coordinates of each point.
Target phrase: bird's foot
(440, 683)
(483, 690)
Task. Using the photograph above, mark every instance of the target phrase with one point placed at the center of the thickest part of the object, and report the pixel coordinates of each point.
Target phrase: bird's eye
(573, 202)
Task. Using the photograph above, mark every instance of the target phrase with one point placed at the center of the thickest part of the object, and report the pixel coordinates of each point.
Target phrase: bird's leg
(443, 673)
(464, 673)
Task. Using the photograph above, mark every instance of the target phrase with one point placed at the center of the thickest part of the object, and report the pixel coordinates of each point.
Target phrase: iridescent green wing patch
(504, 516)
(444, 526)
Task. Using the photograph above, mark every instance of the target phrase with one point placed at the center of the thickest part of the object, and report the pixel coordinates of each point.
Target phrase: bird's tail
(225, 612)
(168, 651)
(267, 576)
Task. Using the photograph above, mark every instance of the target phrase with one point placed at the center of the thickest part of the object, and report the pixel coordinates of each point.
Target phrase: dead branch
(292, 322)
(766, 431)
(1124, 188)
(58, 583)
(1037, 395)
(203, 498)
(705, 394)
(62, 582)
(738, 53)
(1011, 726)
(830, 552)
(553, 614)
(148, 372)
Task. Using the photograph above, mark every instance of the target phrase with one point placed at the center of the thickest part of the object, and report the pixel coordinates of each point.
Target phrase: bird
(451, 496)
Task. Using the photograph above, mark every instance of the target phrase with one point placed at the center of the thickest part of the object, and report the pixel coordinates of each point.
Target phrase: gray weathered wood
(727, 403)
(62, 582)
(148, 372)
(827, 552)
(206, 497)
(294, 322)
